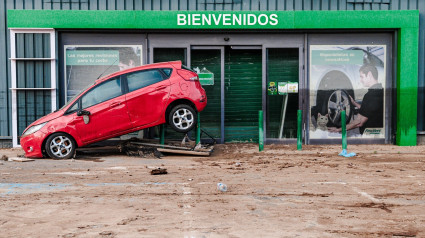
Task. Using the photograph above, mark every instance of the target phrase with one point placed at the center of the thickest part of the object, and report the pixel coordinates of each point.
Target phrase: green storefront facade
(275, 61)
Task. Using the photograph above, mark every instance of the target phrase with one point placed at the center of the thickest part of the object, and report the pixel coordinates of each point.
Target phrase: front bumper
(32, 144)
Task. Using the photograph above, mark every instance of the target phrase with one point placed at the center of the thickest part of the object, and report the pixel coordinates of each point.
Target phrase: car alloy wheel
(60, 146)
(339, 101)
(182, 118)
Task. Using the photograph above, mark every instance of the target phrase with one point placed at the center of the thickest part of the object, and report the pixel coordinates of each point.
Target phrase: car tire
(182, 118)
(60, 146)
(331, 82)
(338, 101)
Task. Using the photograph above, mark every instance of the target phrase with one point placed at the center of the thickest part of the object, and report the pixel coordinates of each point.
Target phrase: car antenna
(107, 69)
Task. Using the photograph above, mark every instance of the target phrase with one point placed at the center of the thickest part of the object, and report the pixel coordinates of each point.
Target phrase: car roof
(175, 64)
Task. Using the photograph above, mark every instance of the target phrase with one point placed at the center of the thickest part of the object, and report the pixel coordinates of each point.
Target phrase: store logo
(226, 19)
(372, 131)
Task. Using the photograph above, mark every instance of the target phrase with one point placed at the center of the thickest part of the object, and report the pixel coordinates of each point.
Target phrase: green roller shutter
(243, 86)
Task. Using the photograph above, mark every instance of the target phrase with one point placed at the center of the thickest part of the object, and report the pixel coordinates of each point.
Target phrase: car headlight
(33, 129)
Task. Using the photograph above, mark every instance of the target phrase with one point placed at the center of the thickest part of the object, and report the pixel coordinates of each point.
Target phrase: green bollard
(343, 131)
(162, 134)
(299, 130)
(198, 129)
(260, 131)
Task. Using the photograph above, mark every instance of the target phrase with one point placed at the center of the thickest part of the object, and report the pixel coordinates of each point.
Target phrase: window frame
(13, 73)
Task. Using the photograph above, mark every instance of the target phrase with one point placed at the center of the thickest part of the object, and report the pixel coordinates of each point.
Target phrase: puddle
(21, 188)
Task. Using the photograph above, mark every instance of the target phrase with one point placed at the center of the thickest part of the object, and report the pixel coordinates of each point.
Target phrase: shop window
(85, 64)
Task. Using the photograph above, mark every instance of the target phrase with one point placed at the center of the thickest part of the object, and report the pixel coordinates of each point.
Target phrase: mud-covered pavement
(280, 192)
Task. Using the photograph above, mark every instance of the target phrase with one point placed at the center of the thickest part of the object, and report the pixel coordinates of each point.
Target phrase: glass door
(208, 63)
(283, 93)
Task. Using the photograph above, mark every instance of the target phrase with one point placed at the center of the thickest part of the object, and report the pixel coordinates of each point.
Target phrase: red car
(117, 104)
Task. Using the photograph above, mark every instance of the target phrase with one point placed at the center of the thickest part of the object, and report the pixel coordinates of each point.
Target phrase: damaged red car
(117, 104)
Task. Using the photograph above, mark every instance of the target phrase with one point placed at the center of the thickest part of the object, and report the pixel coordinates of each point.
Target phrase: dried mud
(279, 192)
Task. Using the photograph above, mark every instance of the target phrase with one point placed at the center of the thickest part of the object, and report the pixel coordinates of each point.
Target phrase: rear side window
(143, 79)
(101, 93)
(167, 71)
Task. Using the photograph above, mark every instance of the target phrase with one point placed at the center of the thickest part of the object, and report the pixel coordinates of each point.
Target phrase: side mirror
(83, 113)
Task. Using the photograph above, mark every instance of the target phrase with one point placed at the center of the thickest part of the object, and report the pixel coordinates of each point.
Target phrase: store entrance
(232, 78)
(237, 79)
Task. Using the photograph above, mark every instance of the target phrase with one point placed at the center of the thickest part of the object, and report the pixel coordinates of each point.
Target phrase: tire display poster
(350, 78)
(84, 64)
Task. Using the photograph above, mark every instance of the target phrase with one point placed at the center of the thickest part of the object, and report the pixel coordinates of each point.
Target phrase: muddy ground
(280, 192)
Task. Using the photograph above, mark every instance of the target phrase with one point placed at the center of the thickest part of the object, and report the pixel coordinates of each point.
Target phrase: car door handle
(115, 104)
(160, 87)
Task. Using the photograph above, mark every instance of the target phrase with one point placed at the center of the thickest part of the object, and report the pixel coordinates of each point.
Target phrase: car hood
(47, 117)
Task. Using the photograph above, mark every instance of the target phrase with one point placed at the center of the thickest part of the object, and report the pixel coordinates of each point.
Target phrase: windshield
(73, 98)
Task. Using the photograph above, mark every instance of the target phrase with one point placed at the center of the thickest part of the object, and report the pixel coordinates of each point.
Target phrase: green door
(243, 96)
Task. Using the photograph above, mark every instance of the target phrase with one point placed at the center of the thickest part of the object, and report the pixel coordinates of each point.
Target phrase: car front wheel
(182, 118)
(60, 146)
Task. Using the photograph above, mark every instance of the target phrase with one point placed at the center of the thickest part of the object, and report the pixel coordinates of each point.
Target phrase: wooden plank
(19, 159)
(185, 152)
(159, 145)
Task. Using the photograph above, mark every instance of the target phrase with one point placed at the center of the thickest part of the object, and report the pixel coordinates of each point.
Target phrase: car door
(148, 94)
(108, 112)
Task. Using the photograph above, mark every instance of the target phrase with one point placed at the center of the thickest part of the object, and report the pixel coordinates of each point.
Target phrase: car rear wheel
(182, 118)
(60, 146)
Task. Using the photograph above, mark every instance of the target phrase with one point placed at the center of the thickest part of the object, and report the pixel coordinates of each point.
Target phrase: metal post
(162, 134)
(343, 131)
(198, 129)
(260, 131)
(299, 130)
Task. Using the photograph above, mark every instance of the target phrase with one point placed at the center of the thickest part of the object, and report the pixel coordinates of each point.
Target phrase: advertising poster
(350, 78)
(85, 64)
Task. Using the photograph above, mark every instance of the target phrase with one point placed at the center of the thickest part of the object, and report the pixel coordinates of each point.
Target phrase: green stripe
(168, 19)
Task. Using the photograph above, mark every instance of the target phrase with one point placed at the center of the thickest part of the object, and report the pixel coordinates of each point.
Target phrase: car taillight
(188, 75)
